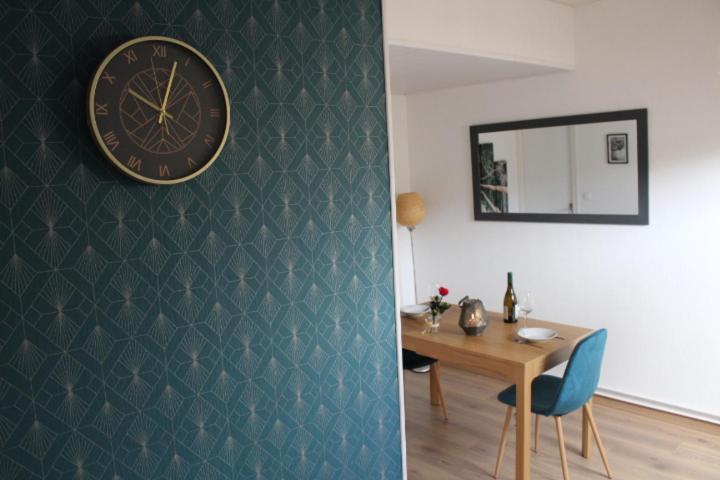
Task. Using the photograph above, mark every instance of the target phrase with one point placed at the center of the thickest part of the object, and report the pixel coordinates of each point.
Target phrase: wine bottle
(510, 302)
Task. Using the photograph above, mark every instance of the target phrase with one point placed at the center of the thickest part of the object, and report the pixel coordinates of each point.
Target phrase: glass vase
(433, 322)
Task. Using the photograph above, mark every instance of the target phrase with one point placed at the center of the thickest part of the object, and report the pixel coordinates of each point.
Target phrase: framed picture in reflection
(617, 148)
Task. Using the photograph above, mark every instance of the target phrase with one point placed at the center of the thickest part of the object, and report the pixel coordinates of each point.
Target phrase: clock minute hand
(146, 101)
(163, 113)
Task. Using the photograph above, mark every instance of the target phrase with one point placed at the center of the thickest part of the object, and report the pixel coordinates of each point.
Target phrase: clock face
(159, 110)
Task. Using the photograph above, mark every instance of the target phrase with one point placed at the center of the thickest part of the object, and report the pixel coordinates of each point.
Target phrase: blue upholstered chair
(414, 361)
(556, 397)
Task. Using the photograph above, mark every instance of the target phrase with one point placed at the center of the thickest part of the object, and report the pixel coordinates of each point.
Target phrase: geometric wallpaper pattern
(237, 326)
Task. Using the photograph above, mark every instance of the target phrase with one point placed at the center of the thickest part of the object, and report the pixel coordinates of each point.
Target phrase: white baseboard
(664, 407)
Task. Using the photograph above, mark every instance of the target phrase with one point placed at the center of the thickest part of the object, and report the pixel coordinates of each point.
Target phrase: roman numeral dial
(158, 110)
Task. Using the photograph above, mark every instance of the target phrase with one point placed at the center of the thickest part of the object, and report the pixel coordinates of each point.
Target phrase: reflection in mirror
(584, 168)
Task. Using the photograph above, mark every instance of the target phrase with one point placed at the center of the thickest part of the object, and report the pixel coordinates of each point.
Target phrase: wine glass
(526, 305)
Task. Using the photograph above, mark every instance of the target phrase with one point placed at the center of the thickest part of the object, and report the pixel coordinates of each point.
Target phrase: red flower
(443, 291)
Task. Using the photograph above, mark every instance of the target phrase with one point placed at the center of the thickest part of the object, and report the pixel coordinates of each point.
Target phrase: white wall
(533, 31)
(654, 286)
(401, 158)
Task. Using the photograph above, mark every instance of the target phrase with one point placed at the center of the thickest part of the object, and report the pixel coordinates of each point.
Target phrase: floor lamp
(410, 210)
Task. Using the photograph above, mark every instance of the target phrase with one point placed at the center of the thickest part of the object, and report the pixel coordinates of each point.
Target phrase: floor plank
(639, 445)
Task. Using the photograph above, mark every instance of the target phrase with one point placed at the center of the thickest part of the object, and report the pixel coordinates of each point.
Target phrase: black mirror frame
(641, 218)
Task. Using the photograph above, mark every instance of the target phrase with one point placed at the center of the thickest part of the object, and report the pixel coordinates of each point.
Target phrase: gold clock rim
(97, 136)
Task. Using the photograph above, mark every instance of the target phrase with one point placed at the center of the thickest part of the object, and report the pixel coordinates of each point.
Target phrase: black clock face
(159, 110)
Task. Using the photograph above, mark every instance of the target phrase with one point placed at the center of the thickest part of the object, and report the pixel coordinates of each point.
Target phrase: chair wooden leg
(561, 442)
(537, 432)
(436, 393)
(503, 441)
(586, 434)
(593, 426)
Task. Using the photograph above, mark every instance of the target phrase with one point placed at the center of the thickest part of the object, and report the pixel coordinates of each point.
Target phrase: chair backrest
(582, 374)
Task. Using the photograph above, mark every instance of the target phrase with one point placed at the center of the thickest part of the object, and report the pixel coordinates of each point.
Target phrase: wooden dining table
(496, 353)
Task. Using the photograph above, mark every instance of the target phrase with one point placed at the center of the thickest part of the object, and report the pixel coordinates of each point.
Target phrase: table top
(496, 344)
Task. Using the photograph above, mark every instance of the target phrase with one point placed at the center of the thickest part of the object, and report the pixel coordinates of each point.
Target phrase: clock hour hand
(163, 113)
(147, 102)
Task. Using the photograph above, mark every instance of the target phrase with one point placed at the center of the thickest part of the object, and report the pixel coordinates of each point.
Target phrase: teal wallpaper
(236, 326)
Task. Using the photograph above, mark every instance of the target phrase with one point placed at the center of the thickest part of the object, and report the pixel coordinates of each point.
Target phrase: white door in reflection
(545, 171)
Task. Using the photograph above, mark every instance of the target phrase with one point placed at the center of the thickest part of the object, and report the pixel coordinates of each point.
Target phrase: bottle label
(510, 315)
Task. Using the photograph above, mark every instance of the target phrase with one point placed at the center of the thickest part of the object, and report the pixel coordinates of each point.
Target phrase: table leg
(522, 442)
(434, 387)
(586, 432)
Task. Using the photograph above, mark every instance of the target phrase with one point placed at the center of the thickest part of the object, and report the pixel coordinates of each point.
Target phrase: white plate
(537, 334)
(414, 310)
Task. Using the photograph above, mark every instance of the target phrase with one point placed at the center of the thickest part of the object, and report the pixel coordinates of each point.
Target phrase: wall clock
(159, 110)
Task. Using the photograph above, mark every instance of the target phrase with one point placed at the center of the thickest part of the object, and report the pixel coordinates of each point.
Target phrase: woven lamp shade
(410, 209)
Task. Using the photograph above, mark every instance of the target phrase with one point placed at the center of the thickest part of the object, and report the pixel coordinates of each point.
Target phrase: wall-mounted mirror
(576, 169)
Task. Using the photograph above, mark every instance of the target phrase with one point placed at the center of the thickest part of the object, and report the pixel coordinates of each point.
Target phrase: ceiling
(410, 72)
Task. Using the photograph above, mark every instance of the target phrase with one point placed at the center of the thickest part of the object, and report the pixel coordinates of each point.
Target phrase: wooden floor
(641, 444)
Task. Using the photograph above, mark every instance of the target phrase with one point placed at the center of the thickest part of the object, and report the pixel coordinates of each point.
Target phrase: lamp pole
(411, 229)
